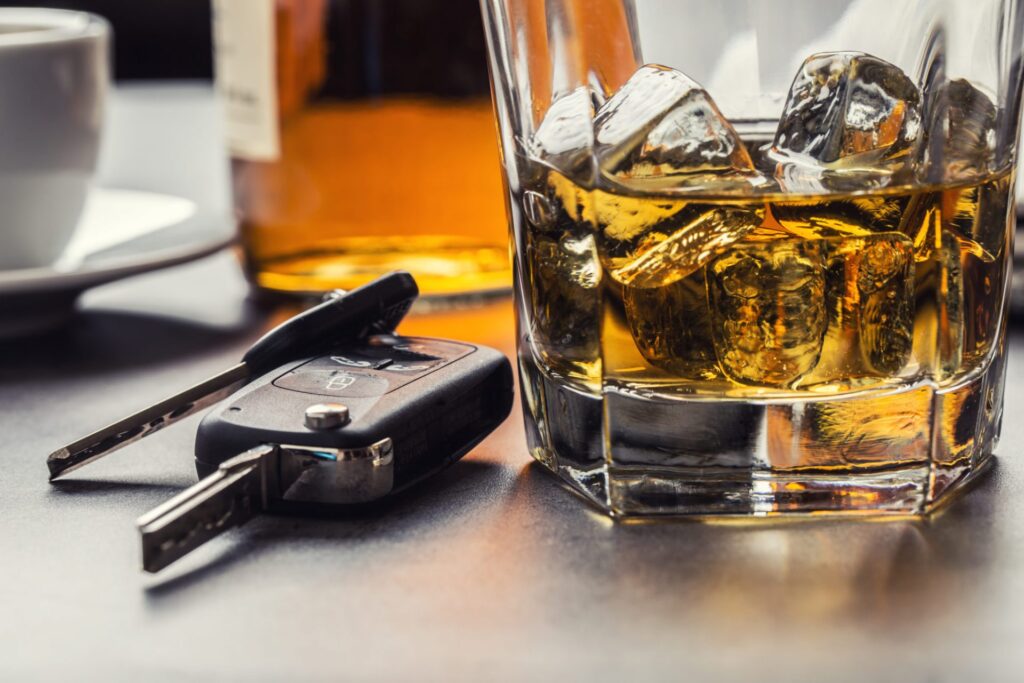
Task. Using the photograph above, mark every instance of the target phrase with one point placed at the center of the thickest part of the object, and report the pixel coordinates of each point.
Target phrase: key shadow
(98, 341)
(86, 488)
(429, 507)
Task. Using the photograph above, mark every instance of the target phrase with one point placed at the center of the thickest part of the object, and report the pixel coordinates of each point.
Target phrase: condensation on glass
(762, 248)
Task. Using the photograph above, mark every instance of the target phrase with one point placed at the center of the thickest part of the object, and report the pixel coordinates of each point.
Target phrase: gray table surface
(490, 572)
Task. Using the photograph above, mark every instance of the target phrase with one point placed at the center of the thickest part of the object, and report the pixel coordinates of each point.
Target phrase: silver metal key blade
(228, 498)
(147, 421)
(376, 307)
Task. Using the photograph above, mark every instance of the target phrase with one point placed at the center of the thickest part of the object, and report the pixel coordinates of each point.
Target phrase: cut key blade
(146, 421)
(229, 497)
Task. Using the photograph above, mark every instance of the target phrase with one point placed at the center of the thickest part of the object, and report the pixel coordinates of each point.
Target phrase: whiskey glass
(762, 250)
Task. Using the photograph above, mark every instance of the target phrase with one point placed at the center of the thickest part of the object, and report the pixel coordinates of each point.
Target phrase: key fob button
(311, 379)
(371, 369)
(352, 361)
(322, 416)
(389, 364)
(374, 366)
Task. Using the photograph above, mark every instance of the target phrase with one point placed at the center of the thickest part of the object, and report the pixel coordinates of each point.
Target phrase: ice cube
(663, 126)
(869, 300)
(949, 289)
(661, 131)
(983, 285)
(939, 296)
(650, 242)
(537, 209)
(563, 274)
(571, 204)
(884, 268)
(961, 248)
(671, 326)
(961, 128)
(837, 217)
(982, 222)
(564, 140)
(850, 121)
(565, 278)
(767, 302)
(982, 216)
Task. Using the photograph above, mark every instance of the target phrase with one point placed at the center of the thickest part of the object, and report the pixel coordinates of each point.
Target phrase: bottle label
(244, 62)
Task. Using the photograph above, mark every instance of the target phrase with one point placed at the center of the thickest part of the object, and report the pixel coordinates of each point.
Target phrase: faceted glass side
(900, 453)
(845, 355)
(738, 299)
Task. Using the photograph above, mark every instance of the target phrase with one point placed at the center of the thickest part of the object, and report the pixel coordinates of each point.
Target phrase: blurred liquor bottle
(362, 142)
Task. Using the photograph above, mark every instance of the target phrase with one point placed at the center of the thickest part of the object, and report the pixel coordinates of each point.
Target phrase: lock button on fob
(371, 369)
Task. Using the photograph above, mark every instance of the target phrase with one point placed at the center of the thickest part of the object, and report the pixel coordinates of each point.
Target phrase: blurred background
(397, 88)
(155, 39)
(171, 39)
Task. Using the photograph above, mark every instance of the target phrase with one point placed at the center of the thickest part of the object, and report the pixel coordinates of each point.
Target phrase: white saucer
(121, 233)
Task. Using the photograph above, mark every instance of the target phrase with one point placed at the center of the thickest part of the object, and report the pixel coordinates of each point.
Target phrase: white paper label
(244, 49)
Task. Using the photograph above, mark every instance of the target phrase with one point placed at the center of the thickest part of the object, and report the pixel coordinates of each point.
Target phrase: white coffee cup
(54, 75)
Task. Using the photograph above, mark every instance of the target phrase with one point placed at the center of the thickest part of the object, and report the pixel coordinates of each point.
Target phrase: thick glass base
(881, 452)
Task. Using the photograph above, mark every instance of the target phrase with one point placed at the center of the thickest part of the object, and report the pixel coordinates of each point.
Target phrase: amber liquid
(775, 295)
(364, 188)
(763, 353)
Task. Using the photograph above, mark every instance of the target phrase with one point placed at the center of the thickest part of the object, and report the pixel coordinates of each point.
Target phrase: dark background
(377, 46)
(152, 38)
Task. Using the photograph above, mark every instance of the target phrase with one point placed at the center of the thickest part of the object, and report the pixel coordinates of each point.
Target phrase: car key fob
(366, 420)
(363, 421)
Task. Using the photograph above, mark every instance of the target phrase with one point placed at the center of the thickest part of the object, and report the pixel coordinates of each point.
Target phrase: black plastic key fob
(364, 420)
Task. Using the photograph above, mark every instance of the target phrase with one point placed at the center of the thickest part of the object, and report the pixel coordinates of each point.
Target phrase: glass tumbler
(762, 250)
